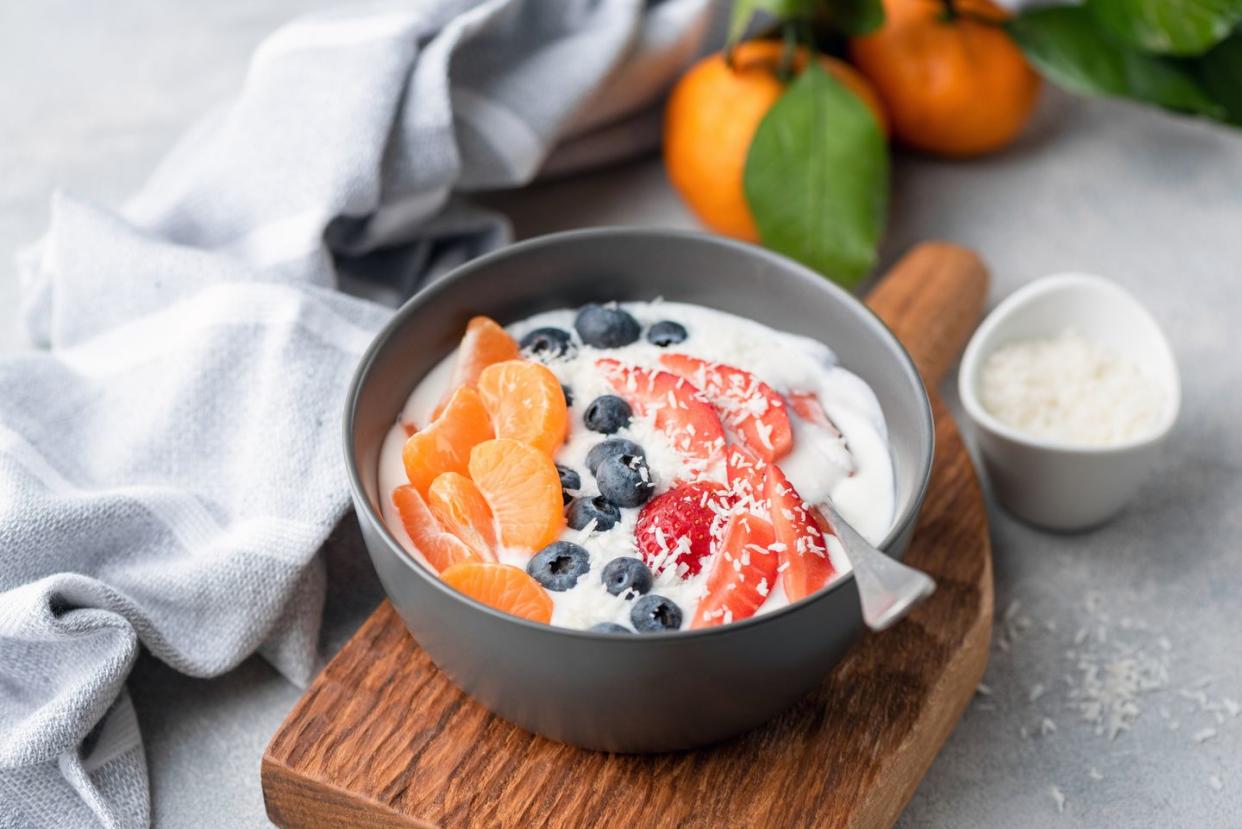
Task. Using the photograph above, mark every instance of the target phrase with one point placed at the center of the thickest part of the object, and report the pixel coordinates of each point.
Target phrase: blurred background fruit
(711, 120)
(766, 145)
(952, 80)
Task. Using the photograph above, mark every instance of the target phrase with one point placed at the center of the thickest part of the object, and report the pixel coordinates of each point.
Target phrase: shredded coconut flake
(1071, 390)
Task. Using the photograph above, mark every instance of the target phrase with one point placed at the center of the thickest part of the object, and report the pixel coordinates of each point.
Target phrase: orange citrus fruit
(445, 445)
(712, 116)
(953, 85)
(462, 510)
(523, 489)
(503, 587)
(483, 344)
(441, 549)
(526, 403)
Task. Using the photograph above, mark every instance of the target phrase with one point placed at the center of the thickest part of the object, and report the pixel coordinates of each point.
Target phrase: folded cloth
(170, 459)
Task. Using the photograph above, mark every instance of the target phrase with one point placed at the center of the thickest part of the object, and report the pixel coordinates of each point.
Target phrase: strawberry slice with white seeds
(679, 409)
(747, 404)
(743, 573)
(800, 538)
(674, 530)
(747, 475)
(807, 406)
(809, 410)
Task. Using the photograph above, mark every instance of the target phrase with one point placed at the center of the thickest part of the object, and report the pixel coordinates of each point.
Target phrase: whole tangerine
(711, 119)
(951, 79)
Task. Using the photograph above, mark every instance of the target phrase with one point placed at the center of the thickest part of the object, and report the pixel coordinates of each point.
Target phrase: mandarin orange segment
(484, 344)
(526, 403)
(523, 489)
(503, 587)
(441, 549)
(462, 510)
(445, 445)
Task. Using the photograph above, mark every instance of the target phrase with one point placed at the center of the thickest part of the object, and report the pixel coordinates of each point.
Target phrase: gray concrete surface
(94, 93)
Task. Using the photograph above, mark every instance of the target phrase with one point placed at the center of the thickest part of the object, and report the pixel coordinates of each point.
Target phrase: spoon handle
(887, 588)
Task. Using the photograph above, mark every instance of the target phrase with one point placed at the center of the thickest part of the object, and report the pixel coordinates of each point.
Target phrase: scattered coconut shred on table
(1112, 665)
(1070, 390)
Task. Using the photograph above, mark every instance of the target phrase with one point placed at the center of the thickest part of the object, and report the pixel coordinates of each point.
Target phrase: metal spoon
(887, 588)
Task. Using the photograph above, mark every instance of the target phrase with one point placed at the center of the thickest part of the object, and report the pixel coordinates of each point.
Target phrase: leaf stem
(784, 69)
(951, 11)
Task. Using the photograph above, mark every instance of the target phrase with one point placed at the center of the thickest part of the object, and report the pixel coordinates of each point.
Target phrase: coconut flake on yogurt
(854, 469)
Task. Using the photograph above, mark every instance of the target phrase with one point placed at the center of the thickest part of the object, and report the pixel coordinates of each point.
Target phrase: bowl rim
(1006, 312)
(790, 267)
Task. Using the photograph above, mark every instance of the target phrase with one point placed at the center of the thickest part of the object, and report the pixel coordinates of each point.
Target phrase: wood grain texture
(932, 299)
(382, 739)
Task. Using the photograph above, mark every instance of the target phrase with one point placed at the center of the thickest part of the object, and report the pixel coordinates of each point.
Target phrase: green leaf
(744, 10)
(816, 177)
(1067, 46)
(1221, 70)
(1170, 27)
(850, 18)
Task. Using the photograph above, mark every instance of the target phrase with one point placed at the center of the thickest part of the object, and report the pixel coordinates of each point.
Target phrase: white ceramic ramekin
(1052, 484)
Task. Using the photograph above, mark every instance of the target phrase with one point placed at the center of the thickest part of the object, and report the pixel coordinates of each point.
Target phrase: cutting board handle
(932, 299)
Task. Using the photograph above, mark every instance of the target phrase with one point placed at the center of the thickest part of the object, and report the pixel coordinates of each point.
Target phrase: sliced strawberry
(800, 529)
(807, 406)
(743, 574)
(679, 409)
(747, 404)
(747, 474)
(675, 529)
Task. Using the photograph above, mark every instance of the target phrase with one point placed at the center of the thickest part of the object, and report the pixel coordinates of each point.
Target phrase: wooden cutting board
(383, 739)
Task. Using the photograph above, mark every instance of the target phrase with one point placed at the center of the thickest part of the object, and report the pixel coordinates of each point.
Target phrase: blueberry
(627, 576)
(666, 333)
(559, 565)
(569, 395)
(654, 614)
(570, 479)
(625, 480)
(606, 327)
(606, 414)
(547, 343)
(598, 509)
(608, 448)
(609, 627)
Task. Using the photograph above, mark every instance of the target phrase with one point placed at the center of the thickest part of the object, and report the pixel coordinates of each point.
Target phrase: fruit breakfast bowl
(650, 691)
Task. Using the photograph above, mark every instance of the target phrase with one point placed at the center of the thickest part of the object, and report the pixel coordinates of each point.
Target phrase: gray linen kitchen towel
(170, 458)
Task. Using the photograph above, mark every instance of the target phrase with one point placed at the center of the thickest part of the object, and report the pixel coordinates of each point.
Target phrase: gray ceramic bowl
(638, 693)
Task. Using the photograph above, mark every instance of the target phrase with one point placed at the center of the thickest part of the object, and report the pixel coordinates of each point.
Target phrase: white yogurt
(855, 471)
